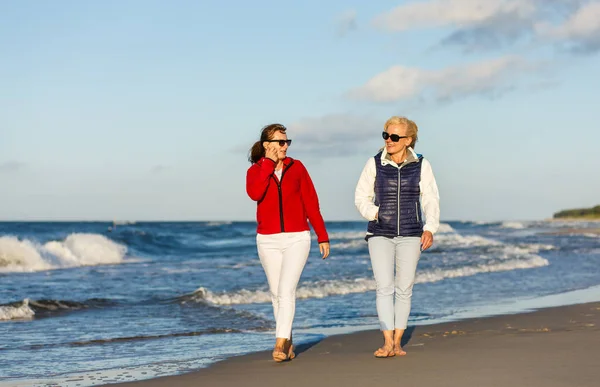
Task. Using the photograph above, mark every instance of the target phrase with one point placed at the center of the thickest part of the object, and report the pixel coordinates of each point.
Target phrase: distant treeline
(593, 212)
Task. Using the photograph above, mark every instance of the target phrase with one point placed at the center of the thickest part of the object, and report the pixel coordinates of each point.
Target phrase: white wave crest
(356, 239)
(218, 223)
(352, 244)
(513, 225)
(16, 255)
(591, 235)
(348, 235)
(456, 240)
(321, 289)
(76, 250)
(506, 265)
(8, 312)
(445, 228)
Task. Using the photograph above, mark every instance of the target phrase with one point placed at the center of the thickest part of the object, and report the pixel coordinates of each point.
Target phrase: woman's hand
(271, 152)
(324, 248)
(426, 240)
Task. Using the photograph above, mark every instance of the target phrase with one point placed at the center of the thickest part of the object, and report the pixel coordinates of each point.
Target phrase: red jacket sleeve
(311, 205)
(257, 178)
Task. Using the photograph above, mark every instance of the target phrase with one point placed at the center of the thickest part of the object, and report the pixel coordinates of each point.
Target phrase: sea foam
(77, 249)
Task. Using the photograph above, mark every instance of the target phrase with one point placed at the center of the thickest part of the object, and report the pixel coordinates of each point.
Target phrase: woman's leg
(408, 253)
(270, 251)
(295, 254)
(382, 251)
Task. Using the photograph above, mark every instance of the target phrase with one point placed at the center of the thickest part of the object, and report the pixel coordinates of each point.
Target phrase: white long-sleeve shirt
(430, 199)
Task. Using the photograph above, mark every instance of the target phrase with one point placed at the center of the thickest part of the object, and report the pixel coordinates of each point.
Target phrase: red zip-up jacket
(284, 206)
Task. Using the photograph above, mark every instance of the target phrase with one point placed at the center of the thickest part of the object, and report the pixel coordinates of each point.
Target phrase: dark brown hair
(267, 133)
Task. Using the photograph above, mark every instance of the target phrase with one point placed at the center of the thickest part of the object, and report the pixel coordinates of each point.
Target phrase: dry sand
(549, 347)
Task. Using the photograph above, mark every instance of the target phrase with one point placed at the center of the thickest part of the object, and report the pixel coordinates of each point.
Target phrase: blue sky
(145, 110)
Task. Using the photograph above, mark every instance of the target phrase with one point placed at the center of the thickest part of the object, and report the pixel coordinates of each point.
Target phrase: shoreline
(575, 231)
(574, 220)
(555, 346)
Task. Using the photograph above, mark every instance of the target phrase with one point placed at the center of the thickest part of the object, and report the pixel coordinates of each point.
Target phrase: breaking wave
(24, 255)
(326, 288)
(28, 309)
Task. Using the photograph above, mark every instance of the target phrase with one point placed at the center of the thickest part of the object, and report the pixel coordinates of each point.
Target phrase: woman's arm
(430, 198)
(365, 192)
(310, 200)
(258, 178)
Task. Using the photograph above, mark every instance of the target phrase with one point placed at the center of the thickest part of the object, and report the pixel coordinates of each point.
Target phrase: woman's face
(394, 147)
(276, 142)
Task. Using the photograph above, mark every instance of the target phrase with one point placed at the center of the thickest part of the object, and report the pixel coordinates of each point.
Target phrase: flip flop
(401, 353)
(279, 356)
(390, 353)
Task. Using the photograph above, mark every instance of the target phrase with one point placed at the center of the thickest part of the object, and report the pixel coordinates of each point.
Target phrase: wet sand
(549, 347)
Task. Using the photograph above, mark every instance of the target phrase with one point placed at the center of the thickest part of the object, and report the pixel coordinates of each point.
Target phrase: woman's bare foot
(385, 351)
(291, 353)
(398, 342)
(279, 355)
(280, 352)
(398, 351)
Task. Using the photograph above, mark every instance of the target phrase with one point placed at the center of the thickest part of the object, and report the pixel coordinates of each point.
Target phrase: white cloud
(483, 78)
(329, 135)
(395, 83)
(477, 25)
(439, 13)
(332, 135)
(581, 29)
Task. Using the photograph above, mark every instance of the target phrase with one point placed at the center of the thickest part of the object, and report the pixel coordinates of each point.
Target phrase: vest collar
(411, 157)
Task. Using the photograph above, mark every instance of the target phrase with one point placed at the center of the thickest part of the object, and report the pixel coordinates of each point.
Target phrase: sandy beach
(548, 347)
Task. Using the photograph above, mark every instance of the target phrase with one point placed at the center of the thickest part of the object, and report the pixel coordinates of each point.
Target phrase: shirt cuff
(430, 228)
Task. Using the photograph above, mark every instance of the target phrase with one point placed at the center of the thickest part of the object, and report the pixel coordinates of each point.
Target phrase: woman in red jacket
(286, 201)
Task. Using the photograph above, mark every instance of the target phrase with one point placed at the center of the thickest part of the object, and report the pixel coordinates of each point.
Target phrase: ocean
(89, 303)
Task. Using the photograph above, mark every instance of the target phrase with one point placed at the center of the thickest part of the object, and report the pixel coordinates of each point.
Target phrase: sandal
(383, 353)
(291, 353)
(279, 356)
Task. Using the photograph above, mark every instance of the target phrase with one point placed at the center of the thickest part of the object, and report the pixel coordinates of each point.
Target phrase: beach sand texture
(550, 347)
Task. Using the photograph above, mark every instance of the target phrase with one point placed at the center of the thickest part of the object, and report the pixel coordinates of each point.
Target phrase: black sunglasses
(393, 137)
(281, 142)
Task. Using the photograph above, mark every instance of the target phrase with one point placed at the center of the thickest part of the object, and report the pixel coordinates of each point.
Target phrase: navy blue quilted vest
(397, 193)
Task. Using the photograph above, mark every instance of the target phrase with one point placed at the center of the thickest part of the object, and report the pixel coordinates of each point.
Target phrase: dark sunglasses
(393, 137)
(281, 142)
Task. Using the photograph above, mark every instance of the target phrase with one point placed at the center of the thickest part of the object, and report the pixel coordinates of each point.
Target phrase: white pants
(283, 257)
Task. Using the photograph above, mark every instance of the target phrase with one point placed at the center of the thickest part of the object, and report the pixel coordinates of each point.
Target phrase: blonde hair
(412, 129)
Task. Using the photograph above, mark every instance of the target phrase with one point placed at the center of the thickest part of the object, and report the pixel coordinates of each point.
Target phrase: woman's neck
(399, 157)
(279, 165)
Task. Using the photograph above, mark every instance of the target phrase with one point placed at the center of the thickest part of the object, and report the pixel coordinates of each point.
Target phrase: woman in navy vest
(398, 195)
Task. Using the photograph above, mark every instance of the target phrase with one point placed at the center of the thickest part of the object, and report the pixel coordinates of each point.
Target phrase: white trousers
(283, 257)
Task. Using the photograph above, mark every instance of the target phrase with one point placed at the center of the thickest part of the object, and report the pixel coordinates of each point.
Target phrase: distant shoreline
(574, 219)
(592, 213)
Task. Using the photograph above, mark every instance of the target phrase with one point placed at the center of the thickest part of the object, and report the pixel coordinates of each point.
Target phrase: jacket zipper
(280, 206)
(398, 211)
(417, 209)
(282, 224)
